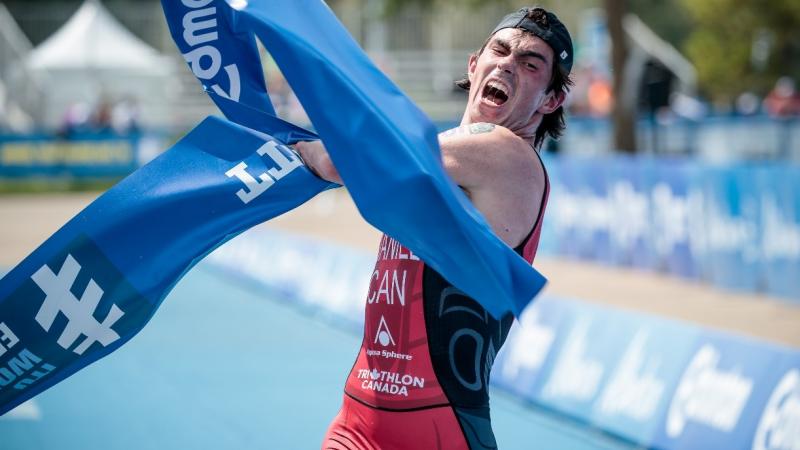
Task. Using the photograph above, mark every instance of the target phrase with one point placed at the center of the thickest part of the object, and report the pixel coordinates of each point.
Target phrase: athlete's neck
(526, 133)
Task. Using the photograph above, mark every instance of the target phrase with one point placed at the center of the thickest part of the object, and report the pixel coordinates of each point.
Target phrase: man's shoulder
(500, 172)
(490, 156)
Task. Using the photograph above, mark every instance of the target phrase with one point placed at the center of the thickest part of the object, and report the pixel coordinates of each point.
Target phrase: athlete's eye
(500, 50)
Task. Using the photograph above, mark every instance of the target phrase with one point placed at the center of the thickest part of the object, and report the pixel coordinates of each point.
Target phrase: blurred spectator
(600, 97)
(592, 94)
(120, 117)
(101, 118)
(783, 100)
(75, 120)
(747, 104)
(687, 107)
(125, 116)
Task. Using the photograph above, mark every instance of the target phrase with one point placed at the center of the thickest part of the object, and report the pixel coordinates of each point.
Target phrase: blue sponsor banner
(633, 400)
(780, 230)
(530, 348)
(732, 221)
(722, 397)
(583, 358)
(579, 203)
(629, 188)
(97, 281)
(47, 299)
(672, 215)
(597, 179)
(82, 156)
(735, 226)
(613, 370)
(778, 425)
(653, 381)
(226, 62)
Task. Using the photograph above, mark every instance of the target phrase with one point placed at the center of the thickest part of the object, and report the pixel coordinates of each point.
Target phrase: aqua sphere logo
(384, 336)
(779, 427)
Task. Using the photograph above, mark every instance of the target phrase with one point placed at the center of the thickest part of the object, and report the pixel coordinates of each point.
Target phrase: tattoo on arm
(473, 128)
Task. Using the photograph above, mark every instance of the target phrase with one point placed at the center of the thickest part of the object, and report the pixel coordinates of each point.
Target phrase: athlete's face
(509, 82)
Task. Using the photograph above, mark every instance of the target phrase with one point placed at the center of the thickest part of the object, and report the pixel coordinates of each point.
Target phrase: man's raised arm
(497, 170)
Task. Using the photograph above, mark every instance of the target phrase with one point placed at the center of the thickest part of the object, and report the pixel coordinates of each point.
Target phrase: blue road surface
(223, 366)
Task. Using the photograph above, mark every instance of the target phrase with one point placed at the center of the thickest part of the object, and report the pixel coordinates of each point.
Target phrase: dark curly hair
(552, 124)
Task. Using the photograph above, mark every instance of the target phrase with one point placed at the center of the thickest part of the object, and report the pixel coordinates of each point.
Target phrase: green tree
(393, 6)
(743, 45)
(667, 18)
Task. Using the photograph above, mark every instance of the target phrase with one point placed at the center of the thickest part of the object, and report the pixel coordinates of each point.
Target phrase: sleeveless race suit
(420, 379)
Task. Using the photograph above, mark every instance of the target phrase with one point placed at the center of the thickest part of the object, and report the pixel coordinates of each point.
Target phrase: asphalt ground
(224, 366)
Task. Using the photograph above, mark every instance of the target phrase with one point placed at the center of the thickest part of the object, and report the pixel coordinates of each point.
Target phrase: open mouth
(495, 93)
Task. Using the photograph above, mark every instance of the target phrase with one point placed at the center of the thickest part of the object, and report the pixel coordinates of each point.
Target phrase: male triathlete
(420, 378)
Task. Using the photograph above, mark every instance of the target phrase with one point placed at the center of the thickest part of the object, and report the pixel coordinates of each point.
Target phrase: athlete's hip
(359, 426)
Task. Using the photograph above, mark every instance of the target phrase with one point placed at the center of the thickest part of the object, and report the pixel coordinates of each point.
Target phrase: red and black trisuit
(420, 379)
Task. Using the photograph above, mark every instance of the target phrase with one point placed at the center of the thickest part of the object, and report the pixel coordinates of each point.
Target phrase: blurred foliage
(394, 6)
(667, 18)
(721, 38)
(725, 39)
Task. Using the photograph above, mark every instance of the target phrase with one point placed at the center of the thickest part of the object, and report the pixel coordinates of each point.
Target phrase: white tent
(93, 38)
(94, 57)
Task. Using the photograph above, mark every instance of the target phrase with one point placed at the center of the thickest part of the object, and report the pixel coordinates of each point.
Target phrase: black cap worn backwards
(555, 33)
